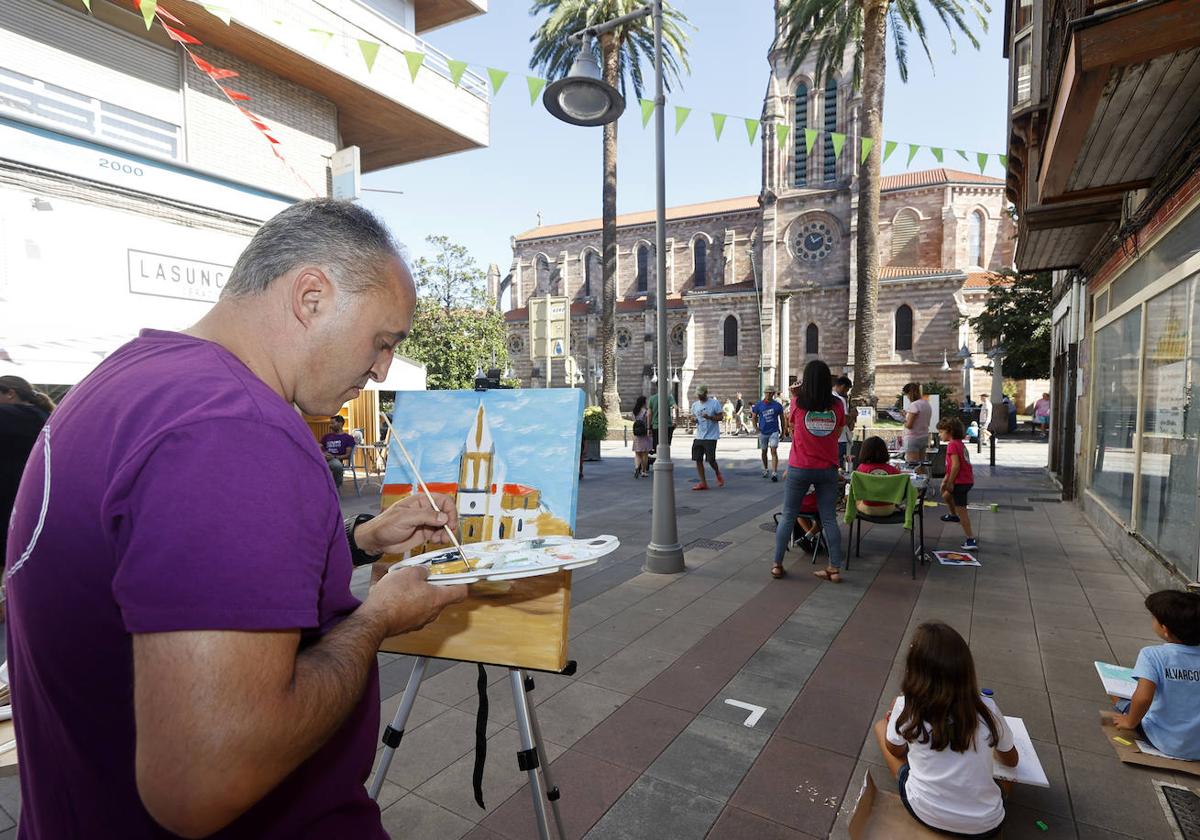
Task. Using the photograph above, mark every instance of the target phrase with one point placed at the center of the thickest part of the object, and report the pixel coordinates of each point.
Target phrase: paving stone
(1074, 677)
(814, 631)
(653, 809)
(1128, 623)
(423, 710)
(708, 611)
(1102, 582)
(630, 669)
(590, 650)
(774, 695)
(457, 683)
(796, 785)
(709, 757)
(831, 717)
(434, 746)
(1077, 723)
(675, 635)
(573, 712)
(627, 625)
(1024, 669)
(785, 661)
(1060, 641)
(1102, 599)
(1107, 793)
(736, 824)
(1021, 823)
(1069, 617)
(414, 816)
(1054, 799)
(1126, 649)
(635, 734)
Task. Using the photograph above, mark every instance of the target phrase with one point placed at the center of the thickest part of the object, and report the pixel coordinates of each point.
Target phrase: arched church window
(591, 272)
(730, 336)
(700, 262)
(643, 267)
(975, 239)
(812, 340)
(831, 115)
(799, 143)
(541, 273)
(903, 332)
(906, 231)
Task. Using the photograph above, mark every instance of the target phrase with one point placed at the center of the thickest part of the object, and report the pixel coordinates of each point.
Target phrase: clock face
(814, 241)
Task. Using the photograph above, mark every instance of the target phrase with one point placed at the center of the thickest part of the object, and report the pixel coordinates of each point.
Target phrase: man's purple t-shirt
(338, 445)
(132, 518)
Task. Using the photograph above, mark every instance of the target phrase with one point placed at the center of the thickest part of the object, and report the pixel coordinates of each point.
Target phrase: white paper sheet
(1029, 768)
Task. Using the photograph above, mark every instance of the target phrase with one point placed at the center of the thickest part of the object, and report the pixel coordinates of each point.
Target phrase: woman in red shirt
(816, 418)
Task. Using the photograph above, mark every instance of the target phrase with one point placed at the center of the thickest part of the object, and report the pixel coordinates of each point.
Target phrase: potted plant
(595, 429)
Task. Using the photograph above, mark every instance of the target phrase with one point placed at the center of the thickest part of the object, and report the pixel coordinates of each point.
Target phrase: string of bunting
(415, 61)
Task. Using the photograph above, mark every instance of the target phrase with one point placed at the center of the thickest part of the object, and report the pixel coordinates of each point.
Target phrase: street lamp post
(583, 98)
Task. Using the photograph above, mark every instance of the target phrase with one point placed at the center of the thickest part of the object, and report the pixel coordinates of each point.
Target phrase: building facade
(760, 284)
(1104, 169)
(129, 183)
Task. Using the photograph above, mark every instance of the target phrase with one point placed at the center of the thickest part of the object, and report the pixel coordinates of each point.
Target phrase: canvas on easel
(509, 460)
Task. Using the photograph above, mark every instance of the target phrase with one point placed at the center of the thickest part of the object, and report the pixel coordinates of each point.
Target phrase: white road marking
(756, 712)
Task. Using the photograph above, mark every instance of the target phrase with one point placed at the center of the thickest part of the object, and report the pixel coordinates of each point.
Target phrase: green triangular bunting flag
(838, 139)
(322, 36)
(535, 87)
(370, 50)
(889, 146)
(681, 115)
(1003, 161)
(718, 125)
(781, 132)
(982, 158)
(810, 137)
(415, 60)
(937, 153)
(962, 154)
(913, 148)
(219, 12)
(647, 110)
(497, 78)
(148, 7)
(868, 143)
(457, 68)
(87, 4)
(751, 129)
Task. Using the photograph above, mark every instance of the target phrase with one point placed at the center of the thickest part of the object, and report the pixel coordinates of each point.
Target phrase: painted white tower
(475, 474)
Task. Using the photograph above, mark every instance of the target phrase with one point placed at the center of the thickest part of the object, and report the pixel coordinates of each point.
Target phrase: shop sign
(162, 275)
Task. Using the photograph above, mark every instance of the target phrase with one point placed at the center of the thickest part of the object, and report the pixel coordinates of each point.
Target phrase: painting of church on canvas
(507, 458)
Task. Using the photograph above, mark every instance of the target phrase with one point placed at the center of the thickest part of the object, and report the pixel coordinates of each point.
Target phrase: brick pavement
(641, 741)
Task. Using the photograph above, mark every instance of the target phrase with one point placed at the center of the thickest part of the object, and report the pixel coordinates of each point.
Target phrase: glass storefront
(1153, 458)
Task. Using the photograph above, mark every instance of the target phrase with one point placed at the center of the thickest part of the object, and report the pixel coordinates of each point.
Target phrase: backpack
(639, 428)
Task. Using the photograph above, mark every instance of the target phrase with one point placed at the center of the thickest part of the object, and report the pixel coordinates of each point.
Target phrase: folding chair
(796, 532)
(896, 518)
(348, 461)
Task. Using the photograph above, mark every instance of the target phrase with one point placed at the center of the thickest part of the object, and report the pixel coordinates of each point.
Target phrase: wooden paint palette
(511, 559)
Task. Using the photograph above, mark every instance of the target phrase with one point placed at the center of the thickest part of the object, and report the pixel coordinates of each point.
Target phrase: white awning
(63, 362)
(405, 374)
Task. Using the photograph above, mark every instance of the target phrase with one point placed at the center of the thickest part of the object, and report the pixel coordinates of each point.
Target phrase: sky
(536, 434)
(537, 164)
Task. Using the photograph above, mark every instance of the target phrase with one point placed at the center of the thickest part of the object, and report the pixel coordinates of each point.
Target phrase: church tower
(475, 473)
(809, 213)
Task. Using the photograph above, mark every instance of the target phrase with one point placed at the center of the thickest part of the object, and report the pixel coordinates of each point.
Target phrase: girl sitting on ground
(874, 460)
(940, 735)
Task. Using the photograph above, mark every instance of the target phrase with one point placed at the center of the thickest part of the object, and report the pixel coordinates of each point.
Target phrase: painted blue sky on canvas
(536, 433)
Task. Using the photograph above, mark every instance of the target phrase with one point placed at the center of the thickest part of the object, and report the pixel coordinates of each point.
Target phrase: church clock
(814, 241)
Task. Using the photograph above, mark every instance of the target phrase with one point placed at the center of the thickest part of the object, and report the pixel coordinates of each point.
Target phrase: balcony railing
(1060, 15)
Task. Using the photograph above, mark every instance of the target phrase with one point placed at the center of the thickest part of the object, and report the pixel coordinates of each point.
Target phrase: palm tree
(823, 30)
(622, 54)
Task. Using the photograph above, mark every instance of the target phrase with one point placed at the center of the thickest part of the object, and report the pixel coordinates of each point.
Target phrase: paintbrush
(421, 482)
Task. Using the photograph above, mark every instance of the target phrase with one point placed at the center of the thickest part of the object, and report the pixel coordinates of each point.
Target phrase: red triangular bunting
(164, 13)
(218, 73)
(269, 137)
(204, 66)
(236, 94)
(261, 126)
(180, 36)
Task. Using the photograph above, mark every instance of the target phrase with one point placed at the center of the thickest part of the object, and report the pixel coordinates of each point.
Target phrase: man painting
(185, 654)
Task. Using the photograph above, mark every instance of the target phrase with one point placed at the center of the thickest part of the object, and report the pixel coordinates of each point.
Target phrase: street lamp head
(945, 361)
(582, 97)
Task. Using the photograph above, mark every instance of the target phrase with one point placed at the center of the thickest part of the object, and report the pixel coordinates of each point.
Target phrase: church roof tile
(934, 177)
(645, 217)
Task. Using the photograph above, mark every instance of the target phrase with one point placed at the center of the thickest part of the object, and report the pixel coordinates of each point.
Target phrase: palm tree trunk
(610, 398)
(874, 71)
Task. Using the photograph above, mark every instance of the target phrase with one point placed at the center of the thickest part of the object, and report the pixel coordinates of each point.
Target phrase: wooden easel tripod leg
(392, 734)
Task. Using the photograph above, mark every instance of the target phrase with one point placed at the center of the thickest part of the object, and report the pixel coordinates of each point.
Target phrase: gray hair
(344, 239)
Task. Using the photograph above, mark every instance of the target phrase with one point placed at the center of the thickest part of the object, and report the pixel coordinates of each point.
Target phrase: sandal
(831, 575)
(777, 572)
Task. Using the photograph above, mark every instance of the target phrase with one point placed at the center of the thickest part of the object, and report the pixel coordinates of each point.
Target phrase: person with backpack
(643, 441)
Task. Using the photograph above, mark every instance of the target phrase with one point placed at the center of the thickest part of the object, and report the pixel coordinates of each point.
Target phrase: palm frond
(899, 42)
(823, 30)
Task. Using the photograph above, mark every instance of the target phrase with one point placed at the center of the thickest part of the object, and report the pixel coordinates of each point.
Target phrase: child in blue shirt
(1168, 678)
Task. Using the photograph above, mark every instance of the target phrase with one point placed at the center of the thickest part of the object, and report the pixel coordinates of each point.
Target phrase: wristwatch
(358, 557)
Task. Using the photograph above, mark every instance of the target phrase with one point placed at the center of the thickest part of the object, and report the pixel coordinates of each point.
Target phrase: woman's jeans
(796, 486)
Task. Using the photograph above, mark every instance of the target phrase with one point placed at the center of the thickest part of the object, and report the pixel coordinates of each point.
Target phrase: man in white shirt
(708, 413)
(841, 390)
(916, 420)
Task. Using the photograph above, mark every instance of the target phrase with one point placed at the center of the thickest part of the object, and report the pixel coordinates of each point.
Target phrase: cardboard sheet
(880, 815)
(1127, 751)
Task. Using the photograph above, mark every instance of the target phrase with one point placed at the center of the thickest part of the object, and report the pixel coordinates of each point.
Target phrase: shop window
(1114, 412)
(799, 142)
(700, 262)
(1171, 426)
(902, 334)
(812, 340)
(730, 335)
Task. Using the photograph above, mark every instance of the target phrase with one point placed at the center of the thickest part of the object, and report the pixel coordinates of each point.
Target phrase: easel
(531, 758)
(520, 625)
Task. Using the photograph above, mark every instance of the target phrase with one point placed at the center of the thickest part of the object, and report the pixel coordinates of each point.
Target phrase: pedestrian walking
(916, 421)
(652, 404)
(739, 415)
(767, 415)
(727, 413)
(816, 421)
(708, 414)
(642, 439)
(841, 390)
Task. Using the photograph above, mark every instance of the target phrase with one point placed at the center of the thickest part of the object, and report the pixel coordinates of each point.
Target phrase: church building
(757, 285)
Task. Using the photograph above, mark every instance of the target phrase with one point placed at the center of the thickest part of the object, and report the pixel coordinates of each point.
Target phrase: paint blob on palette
(511, 559)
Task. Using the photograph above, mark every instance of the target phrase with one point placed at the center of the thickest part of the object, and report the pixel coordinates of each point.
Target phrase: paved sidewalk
(643, 744)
